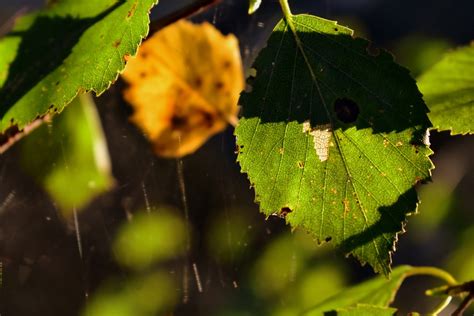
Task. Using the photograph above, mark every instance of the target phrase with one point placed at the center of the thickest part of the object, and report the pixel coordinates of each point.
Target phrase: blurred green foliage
(69, 156)
(149, 238)
(143, 295)
(229, 235)
(418, 52)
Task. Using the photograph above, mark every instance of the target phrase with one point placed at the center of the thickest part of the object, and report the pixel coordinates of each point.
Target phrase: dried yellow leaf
(184, 86)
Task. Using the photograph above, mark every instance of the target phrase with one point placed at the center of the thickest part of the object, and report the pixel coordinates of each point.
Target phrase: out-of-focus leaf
(254, 5)
(364, 310)
(69, 156)
(333, 137)
(448, 90)
(70, 47)
(438, 201)
(461, 260)
(184, 86)
(230, 235)
(149, 238)
(378, 291)
(145, 295)
(418, 53)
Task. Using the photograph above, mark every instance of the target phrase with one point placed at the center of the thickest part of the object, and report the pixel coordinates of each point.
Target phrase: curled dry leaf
(184, 86)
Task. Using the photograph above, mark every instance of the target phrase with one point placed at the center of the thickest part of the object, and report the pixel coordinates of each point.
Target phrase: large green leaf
(332, 137)
(378, 291)
(71, 47)
(448, 90)
(69, 156)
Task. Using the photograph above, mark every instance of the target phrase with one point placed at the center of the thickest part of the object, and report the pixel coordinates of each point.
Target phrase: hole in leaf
(346, 110)
(284, 211)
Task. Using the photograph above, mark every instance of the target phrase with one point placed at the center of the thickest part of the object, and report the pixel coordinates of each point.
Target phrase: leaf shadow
(391, 221)
(336, 80)
(43, 48)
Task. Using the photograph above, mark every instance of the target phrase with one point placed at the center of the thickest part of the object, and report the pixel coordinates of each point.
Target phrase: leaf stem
(435, 272)
(440, 274)
(286, 10)
(464, 305)
(441, 306)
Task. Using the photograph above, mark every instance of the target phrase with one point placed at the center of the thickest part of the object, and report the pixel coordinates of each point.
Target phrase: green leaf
(332, 137)
(448, 90)
(378, 291)
(254, 5)
(71, 47)
(69, 157)
(146, 240)
(365, 310)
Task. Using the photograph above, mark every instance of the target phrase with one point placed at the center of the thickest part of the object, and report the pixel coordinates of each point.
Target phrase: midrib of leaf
(289, 20)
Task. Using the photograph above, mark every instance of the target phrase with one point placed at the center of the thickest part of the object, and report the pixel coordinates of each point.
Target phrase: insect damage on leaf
(321, 137)
(184, 86)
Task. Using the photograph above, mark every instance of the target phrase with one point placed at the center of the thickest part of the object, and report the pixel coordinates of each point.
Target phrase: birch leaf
(54, 54)
(332, 137)
(448, 89)
(184, 86)
(377, 292)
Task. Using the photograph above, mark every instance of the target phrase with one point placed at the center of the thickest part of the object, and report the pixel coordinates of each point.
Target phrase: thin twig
(6, 26)
(195, 7)
(464, 305)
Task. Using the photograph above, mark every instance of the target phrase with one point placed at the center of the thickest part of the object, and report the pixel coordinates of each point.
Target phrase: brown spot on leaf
(197, 82)
(219, 85)
(132, 10)
(178, 121)
(117, 43)
(227, 64)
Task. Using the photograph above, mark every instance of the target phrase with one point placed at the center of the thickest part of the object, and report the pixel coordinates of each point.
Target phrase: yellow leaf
(184, 86)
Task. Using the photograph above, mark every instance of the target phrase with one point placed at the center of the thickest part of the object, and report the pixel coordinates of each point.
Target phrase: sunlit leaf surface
(379, 292)
(54, 54)
(448, 89)
(333, 137)
(184, 86)
(365, 310)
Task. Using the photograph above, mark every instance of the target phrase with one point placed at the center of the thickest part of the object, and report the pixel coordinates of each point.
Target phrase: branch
(195, 7)
(464, 305)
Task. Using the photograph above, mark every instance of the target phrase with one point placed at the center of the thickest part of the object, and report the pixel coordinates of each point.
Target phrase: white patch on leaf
(321, 138)
(426, 138)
